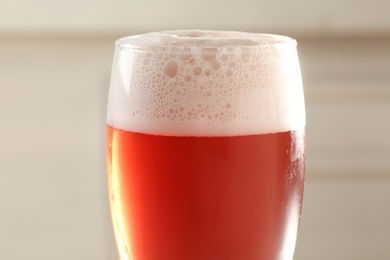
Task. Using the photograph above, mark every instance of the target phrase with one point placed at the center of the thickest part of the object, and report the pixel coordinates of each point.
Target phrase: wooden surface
(52, 163)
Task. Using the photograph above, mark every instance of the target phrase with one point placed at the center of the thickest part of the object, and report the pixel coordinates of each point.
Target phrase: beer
(205, 146)
(205, 197)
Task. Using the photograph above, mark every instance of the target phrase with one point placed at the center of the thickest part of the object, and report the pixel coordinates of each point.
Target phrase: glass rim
(212, 40)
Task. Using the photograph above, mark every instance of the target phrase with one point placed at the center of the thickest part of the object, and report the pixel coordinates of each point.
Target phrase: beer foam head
(206, 83)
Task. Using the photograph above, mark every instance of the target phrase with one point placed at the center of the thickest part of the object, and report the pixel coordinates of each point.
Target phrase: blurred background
(55, 61)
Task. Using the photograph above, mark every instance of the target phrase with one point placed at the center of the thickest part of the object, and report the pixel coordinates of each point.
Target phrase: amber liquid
(204, 198)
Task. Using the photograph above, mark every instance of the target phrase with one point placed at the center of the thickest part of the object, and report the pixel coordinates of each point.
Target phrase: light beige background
(55, 59)
(102, 16)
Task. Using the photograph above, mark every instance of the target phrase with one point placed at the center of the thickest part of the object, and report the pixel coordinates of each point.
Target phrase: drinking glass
(205, 146)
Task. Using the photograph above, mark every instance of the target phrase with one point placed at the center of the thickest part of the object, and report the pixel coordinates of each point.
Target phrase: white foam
(206, 83)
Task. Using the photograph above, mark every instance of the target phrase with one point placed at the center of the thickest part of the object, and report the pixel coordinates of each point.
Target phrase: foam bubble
(206, 83)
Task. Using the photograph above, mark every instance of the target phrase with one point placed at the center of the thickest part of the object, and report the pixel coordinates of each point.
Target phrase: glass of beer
(206, 146)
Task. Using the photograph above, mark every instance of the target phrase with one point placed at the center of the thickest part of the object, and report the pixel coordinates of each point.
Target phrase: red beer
(204, 198)
(205, 146)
